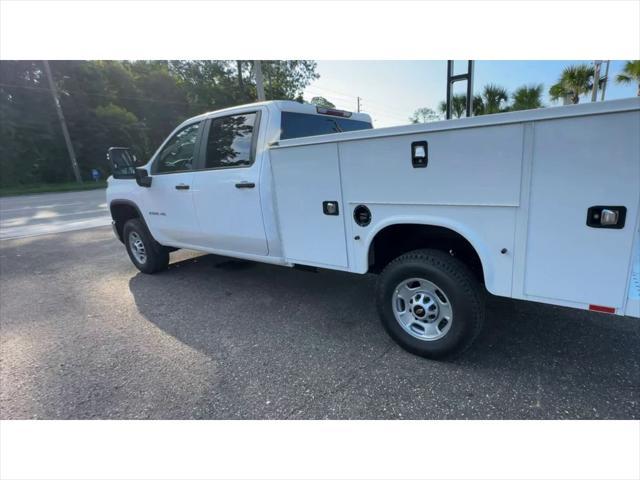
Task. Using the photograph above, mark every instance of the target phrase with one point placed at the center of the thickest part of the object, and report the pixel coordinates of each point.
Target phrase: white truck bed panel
(464, 168)
(304, 178)
(579, 163)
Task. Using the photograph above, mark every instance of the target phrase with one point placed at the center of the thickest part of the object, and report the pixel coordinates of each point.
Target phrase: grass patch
(51, 188)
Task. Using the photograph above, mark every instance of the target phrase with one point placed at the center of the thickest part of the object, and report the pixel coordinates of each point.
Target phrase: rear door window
(230, 141)
(295, 125)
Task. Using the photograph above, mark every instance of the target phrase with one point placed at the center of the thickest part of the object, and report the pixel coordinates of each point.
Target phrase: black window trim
(196, 150)
(202, 158)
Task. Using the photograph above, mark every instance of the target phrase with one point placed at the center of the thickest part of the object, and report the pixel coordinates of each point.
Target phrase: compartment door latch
(419, 154)
(602, 216)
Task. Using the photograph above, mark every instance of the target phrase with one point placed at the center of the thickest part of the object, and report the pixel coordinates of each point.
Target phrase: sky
(391, 91)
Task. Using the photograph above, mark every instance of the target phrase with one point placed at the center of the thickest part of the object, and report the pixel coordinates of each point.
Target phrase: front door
(226, 187)
(169, 200)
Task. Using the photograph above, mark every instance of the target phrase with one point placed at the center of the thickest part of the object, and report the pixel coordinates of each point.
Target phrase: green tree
(630, 74)
(574, 81)
(107, 103)
(477, 106)
(493, 99)
(458, 106)
(527, 97)
(423, 115)
(286, 80)
(322, 102)
(32, 149)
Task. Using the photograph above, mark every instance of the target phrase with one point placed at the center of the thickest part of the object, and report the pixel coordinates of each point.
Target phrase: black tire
(157, 256)
(455, 280)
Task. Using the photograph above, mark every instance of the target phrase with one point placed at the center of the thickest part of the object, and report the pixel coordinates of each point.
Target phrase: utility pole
(596, 79)
(259, 81)
(63, 123)
(358, 104)
(240, 84)
(605, 80)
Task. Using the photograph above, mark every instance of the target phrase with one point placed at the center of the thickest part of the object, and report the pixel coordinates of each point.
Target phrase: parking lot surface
(83, 334)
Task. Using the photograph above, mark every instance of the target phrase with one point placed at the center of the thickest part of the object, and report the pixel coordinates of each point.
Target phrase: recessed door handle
(182, 186)
(245, 185)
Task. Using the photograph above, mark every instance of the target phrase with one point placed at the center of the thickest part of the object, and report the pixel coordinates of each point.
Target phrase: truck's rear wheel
(145, 253)
(430, 303)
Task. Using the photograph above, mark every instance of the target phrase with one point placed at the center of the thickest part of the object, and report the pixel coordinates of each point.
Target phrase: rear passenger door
(226, 186)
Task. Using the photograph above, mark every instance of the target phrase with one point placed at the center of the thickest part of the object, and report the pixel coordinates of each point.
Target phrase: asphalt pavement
(30, 215)
(83, 334)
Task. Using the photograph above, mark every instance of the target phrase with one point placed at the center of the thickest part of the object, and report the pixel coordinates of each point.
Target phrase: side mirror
(142, 177)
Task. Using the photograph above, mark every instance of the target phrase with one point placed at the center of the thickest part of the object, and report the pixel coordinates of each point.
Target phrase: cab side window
(177, 155)
(229, 143)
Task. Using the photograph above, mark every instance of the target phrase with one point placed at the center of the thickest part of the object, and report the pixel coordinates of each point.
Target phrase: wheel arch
(431, 232)
(123, 210)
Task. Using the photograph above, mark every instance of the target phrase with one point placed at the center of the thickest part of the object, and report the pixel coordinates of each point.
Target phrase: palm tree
(492, 97)
(630, 73)
(557, 92)
(458, 105)
(489, 102)
(477, 106)
(527, 97)
(574, 81)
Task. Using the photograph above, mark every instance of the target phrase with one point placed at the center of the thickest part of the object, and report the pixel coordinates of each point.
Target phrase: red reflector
(600, 308)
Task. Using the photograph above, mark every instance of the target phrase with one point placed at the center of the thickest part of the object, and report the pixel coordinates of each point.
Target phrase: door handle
(182, 186)
(245, 185)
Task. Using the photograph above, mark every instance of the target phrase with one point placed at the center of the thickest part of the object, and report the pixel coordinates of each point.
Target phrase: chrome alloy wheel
(137, 247)
(422, 309)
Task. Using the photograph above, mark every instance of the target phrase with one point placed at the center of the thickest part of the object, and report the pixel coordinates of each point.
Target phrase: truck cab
(209, 187)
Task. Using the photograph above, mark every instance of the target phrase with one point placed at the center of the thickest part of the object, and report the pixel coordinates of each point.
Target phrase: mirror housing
(142, 177)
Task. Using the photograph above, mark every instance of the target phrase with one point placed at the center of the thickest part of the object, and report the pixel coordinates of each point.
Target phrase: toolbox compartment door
(579, 163)
(305, 178)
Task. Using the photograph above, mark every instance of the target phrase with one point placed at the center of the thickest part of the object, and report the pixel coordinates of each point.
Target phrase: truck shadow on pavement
(314, 341)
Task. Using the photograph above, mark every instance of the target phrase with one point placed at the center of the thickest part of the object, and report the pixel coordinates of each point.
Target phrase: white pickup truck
(539, 205)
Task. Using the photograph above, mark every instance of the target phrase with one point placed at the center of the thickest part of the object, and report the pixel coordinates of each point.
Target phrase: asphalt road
(84, 335)
(30, 215)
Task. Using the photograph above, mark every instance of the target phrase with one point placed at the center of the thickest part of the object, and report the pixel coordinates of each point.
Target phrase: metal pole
(358, 104)
(449, 85)
(259, 81)
(451, 79)
(63, 123)
(469, 87)
(606, 80)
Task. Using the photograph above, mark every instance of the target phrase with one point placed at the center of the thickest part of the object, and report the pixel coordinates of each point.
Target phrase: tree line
(574, 81)
(118, 103)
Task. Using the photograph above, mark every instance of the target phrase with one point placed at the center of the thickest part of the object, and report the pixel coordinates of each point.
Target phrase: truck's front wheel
(145, 253)
(430, 303)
